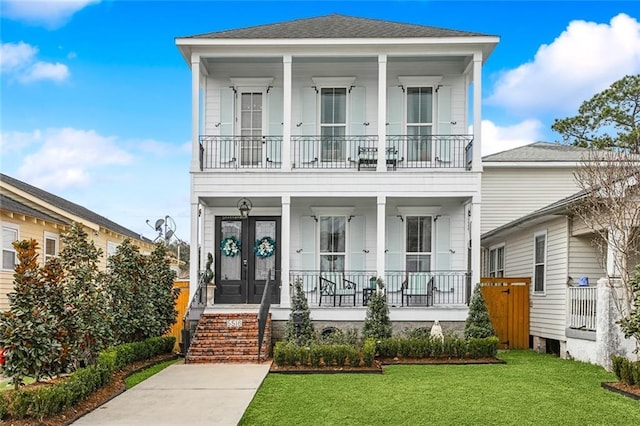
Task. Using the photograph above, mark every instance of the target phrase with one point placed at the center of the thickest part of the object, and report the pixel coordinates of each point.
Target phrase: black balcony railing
(412, 289)
(233, 152)
(330, 152)
(432, 151)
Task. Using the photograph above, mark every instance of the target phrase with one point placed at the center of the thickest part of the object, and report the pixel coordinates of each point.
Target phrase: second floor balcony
(357, 153)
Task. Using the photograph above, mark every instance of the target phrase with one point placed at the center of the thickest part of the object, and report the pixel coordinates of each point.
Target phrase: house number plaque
(237, 323)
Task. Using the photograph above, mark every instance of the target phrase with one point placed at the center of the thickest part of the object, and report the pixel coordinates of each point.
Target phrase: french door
(247, 249)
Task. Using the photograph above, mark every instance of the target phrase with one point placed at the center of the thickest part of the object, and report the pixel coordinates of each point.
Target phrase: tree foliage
(610, 119)
(377, 323)
(303, 333)
(478, 323)
(630, 324)
(161, 290)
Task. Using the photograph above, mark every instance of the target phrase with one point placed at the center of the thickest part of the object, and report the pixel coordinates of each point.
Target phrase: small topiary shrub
(377, 323)
(478, 323)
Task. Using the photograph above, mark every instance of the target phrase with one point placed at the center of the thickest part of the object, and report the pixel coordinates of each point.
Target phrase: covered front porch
(337, 249)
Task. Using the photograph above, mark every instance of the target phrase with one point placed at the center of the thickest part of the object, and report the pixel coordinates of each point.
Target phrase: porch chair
(418, 284)
(335, 285)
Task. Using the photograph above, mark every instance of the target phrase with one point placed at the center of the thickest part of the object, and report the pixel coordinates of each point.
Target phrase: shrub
(616, 362)
(303, 333)
(303, 355)
(279, 354)
(369, 352)
(341, 352)
(328, 355)
(377, 323)
(626, 372)
(315, 355)
(354, 356)
(388, 348)
(478, 323)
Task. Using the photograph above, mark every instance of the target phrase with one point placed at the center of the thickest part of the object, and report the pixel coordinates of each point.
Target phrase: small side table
(366, 294)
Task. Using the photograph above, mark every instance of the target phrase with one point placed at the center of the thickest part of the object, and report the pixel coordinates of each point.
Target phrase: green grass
(143, 375)
(531, 389)
(5, 385)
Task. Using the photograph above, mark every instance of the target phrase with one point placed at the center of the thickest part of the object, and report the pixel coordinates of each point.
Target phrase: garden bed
(376, 368)
(442, 360)
(623, 388)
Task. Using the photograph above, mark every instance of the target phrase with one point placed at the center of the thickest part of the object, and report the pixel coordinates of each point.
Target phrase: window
(50, 246)
(251, 128)
(539, 262)
(418, 249)
(333, 123)
(419, 123)
(496, 262)
(111, 248)
(333, 243)
(9, 235)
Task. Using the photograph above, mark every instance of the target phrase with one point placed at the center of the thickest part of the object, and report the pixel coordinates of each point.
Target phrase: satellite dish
(171, 224)
(159, 224)
(168, 235)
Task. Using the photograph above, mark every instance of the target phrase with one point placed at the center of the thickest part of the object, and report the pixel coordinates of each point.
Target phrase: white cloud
(496, 138)
(11, 142)
(18, 61)
(584, 60)
(69, 157)
(50, 13)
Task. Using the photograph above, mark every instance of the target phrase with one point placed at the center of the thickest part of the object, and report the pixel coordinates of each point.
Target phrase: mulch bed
(623, 388)
(114, 388)
(379, 363)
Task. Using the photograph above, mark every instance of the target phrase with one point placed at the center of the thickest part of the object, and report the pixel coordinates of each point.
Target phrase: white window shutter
(276, 98)
(394, 238)
(307, 147)
(357, 234)
(395, 117)
(308, 243)
(357, 111)
(226, 145)
(444, 124)
(443, 243)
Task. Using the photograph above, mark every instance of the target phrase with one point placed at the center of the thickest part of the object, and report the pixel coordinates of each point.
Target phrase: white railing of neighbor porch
(582, 308)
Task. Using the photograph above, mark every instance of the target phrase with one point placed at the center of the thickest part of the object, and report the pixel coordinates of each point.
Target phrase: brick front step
(228, 338)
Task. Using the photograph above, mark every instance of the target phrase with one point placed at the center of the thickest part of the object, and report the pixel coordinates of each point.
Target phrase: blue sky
(95, 98)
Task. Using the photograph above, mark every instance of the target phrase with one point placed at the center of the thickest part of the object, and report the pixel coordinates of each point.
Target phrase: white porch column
(477, 113)
(380, 235)
(194, 244)
(382, 115)
(286, 114)
(195, 112)
(285, 248)
(475, 241)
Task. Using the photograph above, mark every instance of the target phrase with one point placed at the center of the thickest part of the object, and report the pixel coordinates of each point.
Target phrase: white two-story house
(335, 149)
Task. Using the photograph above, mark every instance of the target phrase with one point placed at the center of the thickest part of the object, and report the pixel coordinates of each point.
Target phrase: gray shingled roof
(336, 26)
(15, 206)
(72, 208)
(539, 151)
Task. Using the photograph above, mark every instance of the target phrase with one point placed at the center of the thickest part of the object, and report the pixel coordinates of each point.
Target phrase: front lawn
(529, 389)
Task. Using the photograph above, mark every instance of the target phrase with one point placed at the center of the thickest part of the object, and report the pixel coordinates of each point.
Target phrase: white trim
(420, 81)
(545, 263)
(332, 211)
(112, 246)
(256, 211)
(251, 81)
(420, 211)
(334, 81)
(50, 236)
(14, 227)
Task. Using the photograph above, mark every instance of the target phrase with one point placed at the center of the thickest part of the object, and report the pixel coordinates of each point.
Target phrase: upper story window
(111, 248)
(419, 123)
(9, 235)
(333, 243)
(418, 243)
(333, 123)
(496, 261)
(50, 245)
(251, 110)
(539, 261)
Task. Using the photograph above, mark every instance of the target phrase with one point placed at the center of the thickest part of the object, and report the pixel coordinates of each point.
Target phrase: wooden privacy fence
(507, 300)
(181, 306)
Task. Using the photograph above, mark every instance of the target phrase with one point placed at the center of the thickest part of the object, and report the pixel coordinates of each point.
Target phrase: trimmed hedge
(41, 401)
(627, 371)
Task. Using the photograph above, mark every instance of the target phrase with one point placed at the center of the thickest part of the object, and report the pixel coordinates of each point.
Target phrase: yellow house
(28, 212)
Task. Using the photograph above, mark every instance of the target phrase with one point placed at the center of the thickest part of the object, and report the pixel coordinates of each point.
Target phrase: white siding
(547, 314)
(510, 193)
(584, 260)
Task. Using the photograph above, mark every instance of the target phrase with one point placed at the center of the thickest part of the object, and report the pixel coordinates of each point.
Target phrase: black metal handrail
(263, 312)
(196, 307)
(329, 152)
(432, 151)
(246, 152)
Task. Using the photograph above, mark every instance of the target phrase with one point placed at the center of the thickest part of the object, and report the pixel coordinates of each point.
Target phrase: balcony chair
(335, 285)
(418, 284)
(368, 157)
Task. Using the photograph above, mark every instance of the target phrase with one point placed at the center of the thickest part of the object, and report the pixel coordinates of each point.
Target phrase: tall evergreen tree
(478, 323)
(161, 290)
(303, 333)
(377, 323)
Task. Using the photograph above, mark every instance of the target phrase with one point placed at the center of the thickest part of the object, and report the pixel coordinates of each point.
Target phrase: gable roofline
(73, 209)
(538, 152)
(14, 206)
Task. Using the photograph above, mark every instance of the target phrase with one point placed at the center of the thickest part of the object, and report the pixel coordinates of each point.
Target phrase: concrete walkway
(184, 394)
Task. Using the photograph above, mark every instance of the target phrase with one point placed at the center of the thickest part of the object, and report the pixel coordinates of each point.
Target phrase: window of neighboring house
(251, 128)
(496, 261)
(333, 238)
(9, 235)
(333, 123)
(419, 123)
(539, 261)
(111, 248)
(50, 246)
(418, 248)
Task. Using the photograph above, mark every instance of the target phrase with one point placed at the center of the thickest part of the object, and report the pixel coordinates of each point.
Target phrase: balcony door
(333, 124)
(419, 124)
(246, 250)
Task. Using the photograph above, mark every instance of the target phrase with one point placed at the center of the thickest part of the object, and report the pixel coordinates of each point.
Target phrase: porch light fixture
(244, 205)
